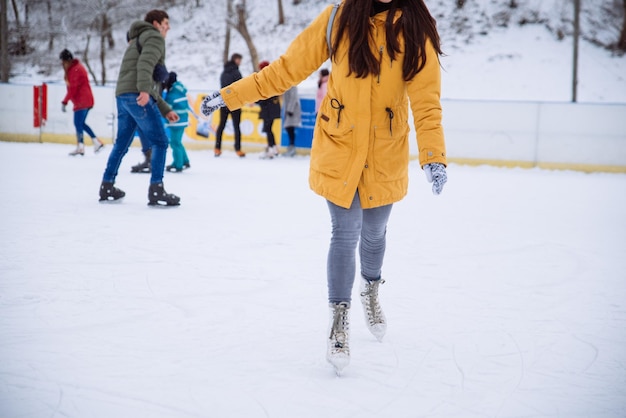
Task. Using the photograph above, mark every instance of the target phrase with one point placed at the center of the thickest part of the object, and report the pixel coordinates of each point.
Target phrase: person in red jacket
(79, 92)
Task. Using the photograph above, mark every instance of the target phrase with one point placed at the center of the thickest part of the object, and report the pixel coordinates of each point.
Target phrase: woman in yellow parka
(383, 53)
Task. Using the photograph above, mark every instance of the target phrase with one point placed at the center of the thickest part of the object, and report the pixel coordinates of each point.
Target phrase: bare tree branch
(621, 44)
(229, 12)
(5, 64)
(241, 27)
(86, 61)
(281, 13)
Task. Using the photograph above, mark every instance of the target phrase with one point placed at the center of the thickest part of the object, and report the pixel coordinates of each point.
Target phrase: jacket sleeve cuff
(431, 155)
(164, 108)
(231, 99)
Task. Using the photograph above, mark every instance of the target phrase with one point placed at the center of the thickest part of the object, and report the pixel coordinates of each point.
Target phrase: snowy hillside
(493, 50)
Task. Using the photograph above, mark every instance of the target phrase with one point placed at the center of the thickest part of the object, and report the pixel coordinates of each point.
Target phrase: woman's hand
(436, 174)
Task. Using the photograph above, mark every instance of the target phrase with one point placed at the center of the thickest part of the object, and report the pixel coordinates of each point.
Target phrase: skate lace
(373, 309)
(340, 327)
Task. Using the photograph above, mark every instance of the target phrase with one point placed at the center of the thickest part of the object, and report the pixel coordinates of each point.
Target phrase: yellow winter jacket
(360, 140)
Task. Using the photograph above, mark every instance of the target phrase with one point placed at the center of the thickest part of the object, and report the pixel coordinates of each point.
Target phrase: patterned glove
(436, 174)
(211, 103)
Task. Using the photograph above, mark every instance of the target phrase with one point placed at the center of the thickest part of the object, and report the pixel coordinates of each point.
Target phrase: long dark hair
(416, 24)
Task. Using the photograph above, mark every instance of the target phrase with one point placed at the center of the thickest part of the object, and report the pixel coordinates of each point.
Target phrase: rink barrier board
(555, 135)
(587, 168)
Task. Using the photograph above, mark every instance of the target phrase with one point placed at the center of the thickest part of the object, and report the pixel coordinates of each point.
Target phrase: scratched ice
(505, 296)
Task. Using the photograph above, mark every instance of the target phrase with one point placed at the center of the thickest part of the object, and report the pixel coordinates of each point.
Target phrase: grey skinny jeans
(348, 225)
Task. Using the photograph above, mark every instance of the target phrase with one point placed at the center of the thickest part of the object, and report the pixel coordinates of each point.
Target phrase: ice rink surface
(505, 296)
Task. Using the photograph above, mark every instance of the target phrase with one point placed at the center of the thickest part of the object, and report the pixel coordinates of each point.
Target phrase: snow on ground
(505, 296)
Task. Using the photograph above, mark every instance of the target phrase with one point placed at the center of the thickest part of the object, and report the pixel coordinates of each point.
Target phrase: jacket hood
(179, 86)
(139, 27)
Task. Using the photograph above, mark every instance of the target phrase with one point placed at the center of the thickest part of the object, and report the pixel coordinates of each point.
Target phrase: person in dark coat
(79, 92)
(229, 75)
(270, 111)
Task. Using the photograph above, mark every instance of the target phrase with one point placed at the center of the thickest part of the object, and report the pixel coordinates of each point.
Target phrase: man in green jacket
(140, 106)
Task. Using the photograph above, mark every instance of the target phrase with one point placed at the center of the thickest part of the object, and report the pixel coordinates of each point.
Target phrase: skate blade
(339, 363)
(110, 202)
(162, 205)
(378, 331)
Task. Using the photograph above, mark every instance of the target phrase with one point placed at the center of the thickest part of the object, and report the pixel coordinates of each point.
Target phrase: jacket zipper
(380, 62)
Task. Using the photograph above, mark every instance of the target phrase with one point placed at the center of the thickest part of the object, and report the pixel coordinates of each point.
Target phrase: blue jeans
(348, 225)
(145, 145)
(80, 116)
(131, 116)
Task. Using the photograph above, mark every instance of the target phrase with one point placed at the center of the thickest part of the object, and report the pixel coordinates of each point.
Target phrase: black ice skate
(157, 196)
(110, 193)
(170, 168)
(145, 166)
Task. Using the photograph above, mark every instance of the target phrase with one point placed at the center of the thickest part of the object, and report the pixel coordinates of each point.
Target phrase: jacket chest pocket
(391, 153)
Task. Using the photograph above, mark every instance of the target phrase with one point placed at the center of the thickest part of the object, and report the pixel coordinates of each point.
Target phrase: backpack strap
(136, 41)
(139, 46)
(329, 28)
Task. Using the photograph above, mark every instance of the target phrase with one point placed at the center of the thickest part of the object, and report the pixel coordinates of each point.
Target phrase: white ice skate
(338, 350)
(80, 150)
(291, 151)
(374, 316)
(270, 153)
(97, 145)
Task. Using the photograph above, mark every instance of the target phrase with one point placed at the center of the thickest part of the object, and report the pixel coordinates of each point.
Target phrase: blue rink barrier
(304, 133)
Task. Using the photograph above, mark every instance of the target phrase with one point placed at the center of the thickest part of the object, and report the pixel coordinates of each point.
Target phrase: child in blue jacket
(176, 97)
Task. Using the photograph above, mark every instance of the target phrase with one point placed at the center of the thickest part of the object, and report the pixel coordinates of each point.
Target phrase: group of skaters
(174, 93)
(146, 94)
(383, 54)
(270, 111)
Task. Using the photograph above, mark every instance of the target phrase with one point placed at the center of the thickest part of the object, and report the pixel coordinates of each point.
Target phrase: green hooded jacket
(136, 70)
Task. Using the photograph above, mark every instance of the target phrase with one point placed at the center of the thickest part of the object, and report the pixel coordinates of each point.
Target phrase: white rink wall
(17, 104)
(564, 135)
(557, 135)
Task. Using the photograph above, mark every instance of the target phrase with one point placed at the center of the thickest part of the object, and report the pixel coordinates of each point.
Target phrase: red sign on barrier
(40, 105)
